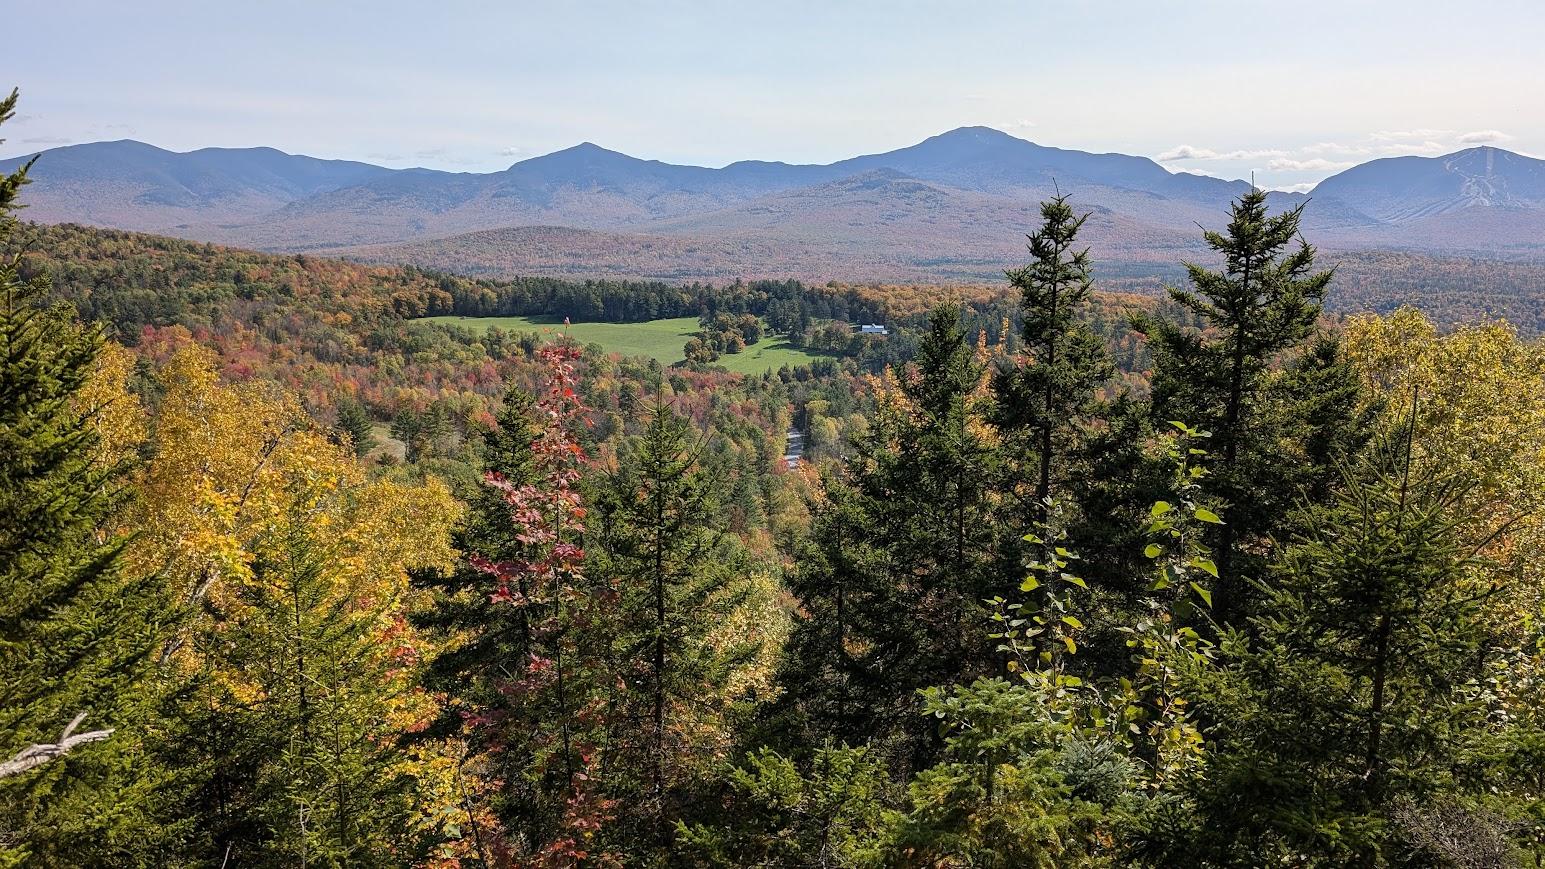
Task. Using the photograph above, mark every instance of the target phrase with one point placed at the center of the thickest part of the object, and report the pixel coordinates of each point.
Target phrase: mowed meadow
(661, 340)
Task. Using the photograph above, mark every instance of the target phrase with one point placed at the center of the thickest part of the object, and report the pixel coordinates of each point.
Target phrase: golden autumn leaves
(228, 483)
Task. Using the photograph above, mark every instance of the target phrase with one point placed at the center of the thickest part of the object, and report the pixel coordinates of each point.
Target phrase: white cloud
(1420, 133)
(512, 151)
(1190, 152)
(1304, 187)
(1016, 125)
(1186, 152)
(1334, 148)
(1313, 164)
(47, 140)
(1384, 144)
(1484, 137)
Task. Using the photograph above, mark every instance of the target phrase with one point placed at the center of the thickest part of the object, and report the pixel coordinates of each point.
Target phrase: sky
(1292, 90)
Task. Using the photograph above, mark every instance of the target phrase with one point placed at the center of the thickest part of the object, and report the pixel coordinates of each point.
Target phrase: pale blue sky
(1292, 90)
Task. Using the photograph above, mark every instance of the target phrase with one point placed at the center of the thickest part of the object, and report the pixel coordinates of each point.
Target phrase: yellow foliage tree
(115, 412)
(1479, 410)
(292, 565)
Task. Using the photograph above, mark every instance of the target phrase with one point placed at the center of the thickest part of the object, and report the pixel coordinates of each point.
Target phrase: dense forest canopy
(1063, 576)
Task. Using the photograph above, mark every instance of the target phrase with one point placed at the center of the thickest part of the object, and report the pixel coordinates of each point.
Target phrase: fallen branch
(37, 755)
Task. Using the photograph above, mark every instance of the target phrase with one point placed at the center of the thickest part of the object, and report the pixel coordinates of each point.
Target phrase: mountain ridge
(955, 196)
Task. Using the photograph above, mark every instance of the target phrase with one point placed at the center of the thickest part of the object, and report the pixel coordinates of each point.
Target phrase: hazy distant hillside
(134, 279)
(1406, 189)
(880, 225)
(131, 185)
(953, 207)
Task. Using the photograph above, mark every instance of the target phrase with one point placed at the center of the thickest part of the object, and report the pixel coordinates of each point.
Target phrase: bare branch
(37, 755)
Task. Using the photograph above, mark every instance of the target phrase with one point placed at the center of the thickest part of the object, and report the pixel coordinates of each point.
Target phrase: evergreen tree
(1044, 406)
(298, 763)
(1360, 698)
(544, 724)
(292, 673)
(902, 555)
(74, 631)
(423, 433)
(679, 576)
(1054, 393)
(478, 641)
(354, 424)
(1263, 304)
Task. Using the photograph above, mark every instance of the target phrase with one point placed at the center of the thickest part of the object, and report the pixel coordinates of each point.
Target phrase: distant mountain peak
(976, 132)
(583, 149)
(264, 197)
(1404, 189)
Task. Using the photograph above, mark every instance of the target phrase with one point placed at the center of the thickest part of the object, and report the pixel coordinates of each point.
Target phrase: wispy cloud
(1191, 152)
(1313, 164)
(1402, 135)
(512, 151)
(47, 140)
(1484, 137)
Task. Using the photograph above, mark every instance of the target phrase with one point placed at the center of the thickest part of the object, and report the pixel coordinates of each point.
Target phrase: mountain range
(954, 206)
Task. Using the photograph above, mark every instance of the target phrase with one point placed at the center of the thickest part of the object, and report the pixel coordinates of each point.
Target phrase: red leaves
(564, 609)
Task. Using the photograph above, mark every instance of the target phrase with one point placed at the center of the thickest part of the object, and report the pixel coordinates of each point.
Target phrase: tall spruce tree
(74, 632)
(1054, 393)
(1262, 305)
(297, 762)
(1360, 706)
(354, 424)
(542, 728)
(679, 575)
(903, 552)
(1044, 405)
(478, 642)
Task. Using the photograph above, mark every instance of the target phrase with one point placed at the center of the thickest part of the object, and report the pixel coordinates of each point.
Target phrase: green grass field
(662, 339)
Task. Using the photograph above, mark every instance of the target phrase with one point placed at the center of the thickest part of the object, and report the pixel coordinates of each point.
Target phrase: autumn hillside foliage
(1044, 577)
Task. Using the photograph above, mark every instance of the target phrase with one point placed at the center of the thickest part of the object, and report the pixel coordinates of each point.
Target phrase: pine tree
(1263, 304)
(293, 672)
(1361, 691)
(477, 642)
(545, 728)
(321, 777)
(1055, 392)
(74, 631)
(1044, 406)
(680, 575)
(902, 554)
(354, 424)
